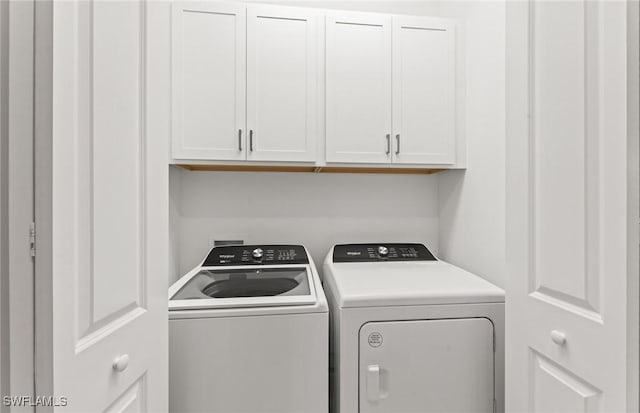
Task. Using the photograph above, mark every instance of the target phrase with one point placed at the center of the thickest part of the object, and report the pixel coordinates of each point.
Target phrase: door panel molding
(111, 158)
(572, 394)
(134, 399)
(565, 223)
(565, 302)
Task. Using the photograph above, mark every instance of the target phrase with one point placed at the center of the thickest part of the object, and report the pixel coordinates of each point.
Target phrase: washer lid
(229, 287)
(372, 284)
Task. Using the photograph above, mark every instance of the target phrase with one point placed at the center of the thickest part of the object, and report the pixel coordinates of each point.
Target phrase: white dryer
(248, 333)
(411, 333)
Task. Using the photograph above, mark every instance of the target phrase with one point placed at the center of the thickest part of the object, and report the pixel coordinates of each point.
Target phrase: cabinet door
(282, 83)
(424, 91)
(358, 88)
(209, 75)
(441, 366)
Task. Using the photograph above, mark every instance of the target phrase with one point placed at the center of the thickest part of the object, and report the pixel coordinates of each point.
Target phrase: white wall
(459, 214)
(472, 203)
(316, 210)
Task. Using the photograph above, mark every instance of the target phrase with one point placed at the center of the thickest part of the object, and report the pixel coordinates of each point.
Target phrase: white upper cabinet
(245, 82)
(424, 90)
(250, 83)
(208, 75)
(390, 101)
(358, 88)
(282, 83)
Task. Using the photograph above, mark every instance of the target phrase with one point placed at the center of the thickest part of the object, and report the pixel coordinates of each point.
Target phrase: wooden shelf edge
(247, 168)
(367, 170)
(310, 169)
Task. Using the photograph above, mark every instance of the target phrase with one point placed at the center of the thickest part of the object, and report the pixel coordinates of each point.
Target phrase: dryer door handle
(373, 383)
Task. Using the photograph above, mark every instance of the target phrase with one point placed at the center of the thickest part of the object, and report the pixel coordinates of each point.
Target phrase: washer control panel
(381, 252)
(256, 255)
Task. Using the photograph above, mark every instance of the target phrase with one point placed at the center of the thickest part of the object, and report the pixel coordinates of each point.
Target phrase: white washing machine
(248, 333)
(411, 333)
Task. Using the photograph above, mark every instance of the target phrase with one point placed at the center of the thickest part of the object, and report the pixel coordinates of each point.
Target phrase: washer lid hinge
(32, 238)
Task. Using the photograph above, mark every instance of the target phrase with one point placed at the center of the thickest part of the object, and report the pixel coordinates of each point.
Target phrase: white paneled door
(208, 80)
(282, 83)
(424, 90)
(358, 87)
(572, 248)
(109, 196)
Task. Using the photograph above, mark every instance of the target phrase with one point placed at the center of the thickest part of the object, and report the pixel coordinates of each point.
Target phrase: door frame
(4, 191)
(43, 152)
(633, 200)
(17, 201)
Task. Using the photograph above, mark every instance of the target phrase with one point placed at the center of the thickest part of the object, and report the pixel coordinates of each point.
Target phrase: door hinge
(32, 238)
(495, 406)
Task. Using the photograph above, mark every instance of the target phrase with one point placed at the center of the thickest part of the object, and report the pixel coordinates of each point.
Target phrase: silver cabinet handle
(388, 144)
(240, 140)
(250, 140)
(398, 146)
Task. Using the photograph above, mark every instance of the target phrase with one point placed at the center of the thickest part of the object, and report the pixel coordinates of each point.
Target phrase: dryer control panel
(256, 255)
(381, 252)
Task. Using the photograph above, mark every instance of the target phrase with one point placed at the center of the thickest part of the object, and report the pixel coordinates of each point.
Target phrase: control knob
(383, 251)
(257, 253)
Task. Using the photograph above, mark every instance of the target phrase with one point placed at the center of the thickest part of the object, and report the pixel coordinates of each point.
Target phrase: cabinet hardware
(250, 140)
(388, 144)
(558, 337)
(240, 140)
(121, 363)
(373, 383)
(398, 145)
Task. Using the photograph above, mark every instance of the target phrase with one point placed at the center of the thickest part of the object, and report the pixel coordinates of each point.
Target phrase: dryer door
(427, 366)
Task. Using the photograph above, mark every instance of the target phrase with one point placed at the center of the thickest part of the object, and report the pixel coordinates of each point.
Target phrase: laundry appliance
(248, 333)
(411, 333)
